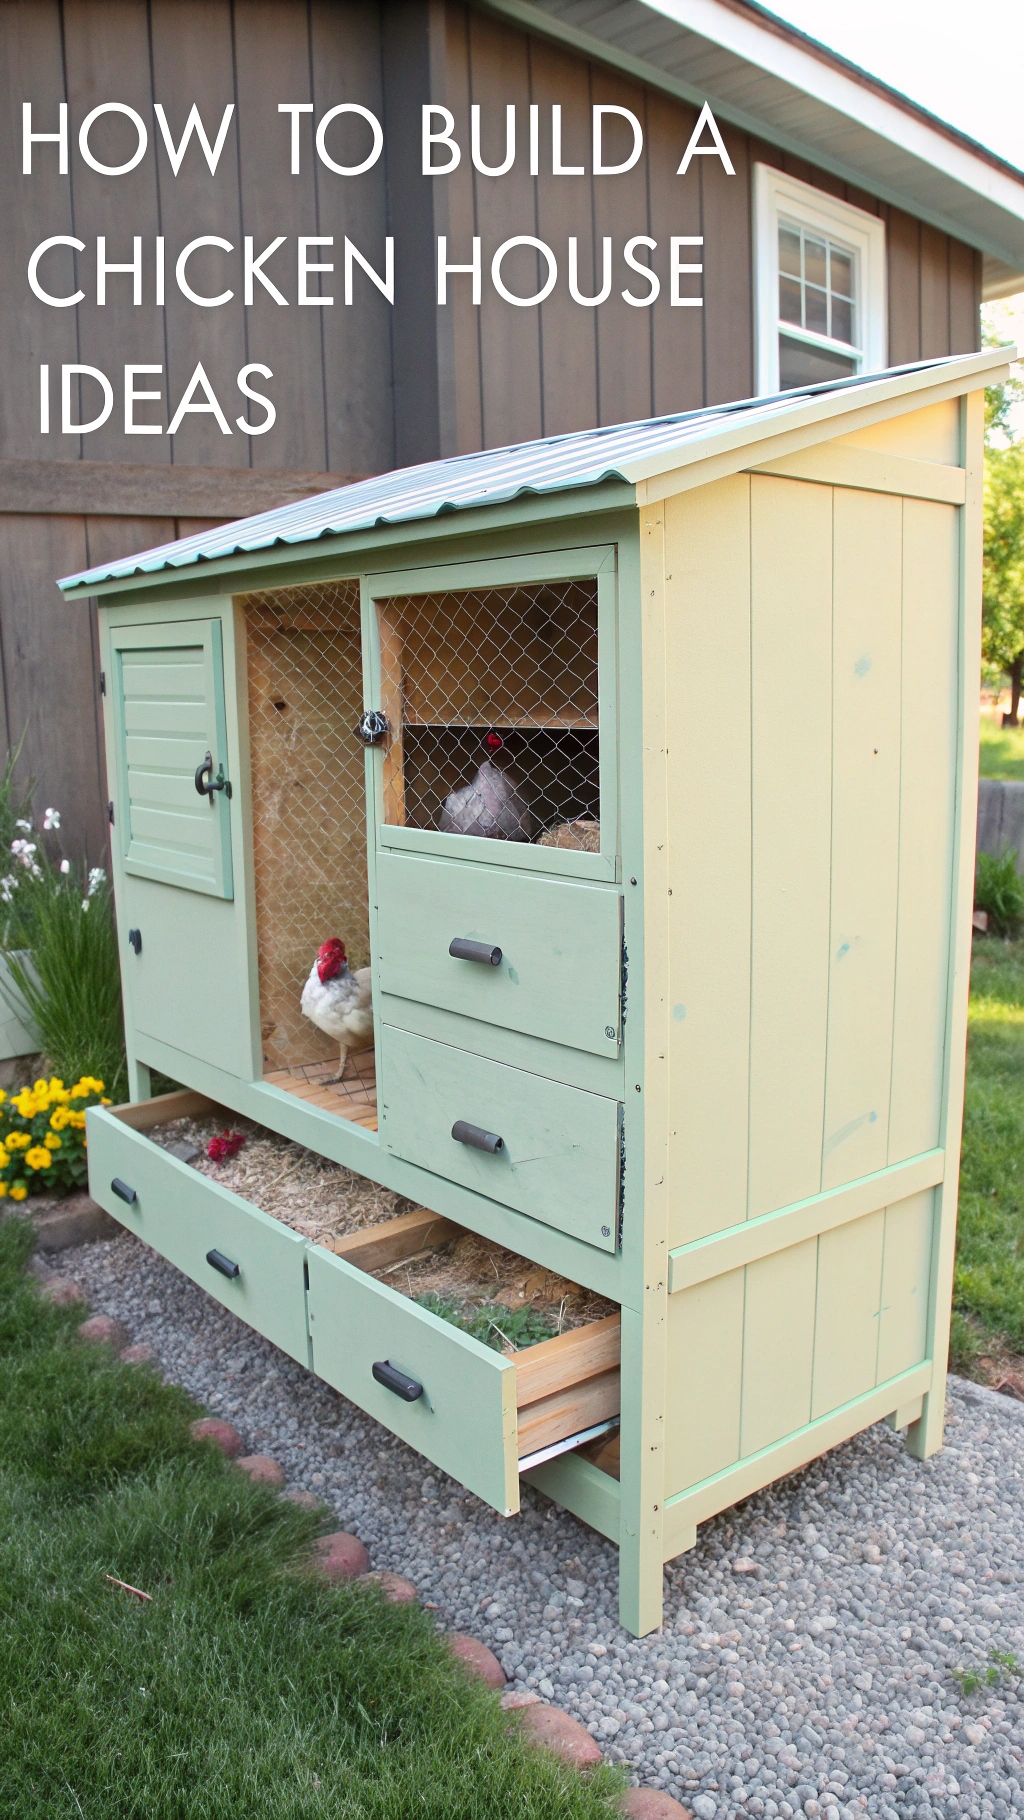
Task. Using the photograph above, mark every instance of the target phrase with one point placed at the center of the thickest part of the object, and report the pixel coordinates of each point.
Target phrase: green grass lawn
(247, 1690)
(989, 1291)
(1001, 751)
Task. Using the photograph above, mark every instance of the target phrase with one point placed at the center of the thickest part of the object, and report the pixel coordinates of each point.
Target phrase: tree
(1002, 636)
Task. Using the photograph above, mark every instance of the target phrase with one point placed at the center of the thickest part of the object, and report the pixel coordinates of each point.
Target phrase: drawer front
(183, 1215)
(464, 1420)
(559, 1159)
(561, 948)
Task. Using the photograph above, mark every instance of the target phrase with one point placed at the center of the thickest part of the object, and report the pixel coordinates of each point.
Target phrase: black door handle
(392, 1379)
(211, 784)
(225, 1265)
(476, 1137)
(463, 950)
(122, 1191)
(135, 940)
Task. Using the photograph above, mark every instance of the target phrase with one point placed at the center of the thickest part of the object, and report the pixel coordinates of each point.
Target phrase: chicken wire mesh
(309, 809)
(492, 701)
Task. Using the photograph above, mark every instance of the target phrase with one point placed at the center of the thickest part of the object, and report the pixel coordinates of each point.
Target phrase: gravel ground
(805, 1660)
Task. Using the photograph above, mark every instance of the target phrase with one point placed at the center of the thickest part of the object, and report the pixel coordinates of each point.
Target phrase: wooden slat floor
(353, 1098)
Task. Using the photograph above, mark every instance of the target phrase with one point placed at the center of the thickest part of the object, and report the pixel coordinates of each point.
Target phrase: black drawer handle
(225, 1265)
(135, 940)
(475, 951)
(476, 1138)
(392, 1379)
(122, 1191)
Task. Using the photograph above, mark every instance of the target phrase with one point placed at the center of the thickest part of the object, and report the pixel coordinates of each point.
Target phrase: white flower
(51, 819)
(65, 865)
(23, 851)
(96, 879)
(8, 886)
(85, 903)
(26, 827)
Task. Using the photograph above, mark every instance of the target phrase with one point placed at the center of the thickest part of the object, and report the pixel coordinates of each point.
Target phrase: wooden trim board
(752, 1239)
(832, 464)
(123, 489)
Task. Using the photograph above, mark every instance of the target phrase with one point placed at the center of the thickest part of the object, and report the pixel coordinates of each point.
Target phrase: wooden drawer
(561, 947)
(184, 1215)
(482, 1416)
(559, 1159)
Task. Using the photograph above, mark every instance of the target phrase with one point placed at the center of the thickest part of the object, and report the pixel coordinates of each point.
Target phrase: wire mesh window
(492, 700)
(308, 802)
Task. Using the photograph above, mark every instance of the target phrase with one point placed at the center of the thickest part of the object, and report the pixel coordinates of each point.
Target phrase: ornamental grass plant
(59, 940)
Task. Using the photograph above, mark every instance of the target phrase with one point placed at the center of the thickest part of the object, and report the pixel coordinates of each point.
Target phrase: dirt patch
(471, 1281)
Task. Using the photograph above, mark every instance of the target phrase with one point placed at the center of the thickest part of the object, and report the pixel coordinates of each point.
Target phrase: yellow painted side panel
(865, 831)
(778, 1345)
(791, 603)
(707, 563)
(705, 1364)
(846, 1315)
(906, 1271)
(927, 792)
(929, 435)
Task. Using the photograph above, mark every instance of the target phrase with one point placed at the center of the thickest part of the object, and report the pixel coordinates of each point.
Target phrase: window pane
(817, 311)
(801, 365)
(789, 300)
(842, 319)
(814, 261)
(842, 271)
(789, 251)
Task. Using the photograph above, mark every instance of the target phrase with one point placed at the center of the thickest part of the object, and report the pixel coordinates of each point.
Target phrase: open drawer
(250, 1262)
(482, 1416)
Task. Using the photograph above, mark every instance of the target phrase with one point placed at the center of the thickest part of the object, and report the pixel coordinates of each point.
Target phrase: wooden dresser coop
(639, 767)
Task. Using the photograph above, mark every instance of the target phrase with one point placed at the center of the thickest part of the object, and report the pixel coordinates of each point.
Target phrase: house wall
(364, 388)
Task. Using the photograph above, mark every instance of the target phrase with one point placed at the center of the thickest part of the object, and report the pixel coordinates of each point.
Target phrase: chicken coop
(639, 768)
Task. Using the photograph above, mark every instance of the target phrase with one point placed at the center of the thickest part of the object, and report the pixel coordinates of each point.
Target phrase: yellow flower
(3, 1190)
(3, 1096)
(17, 1140)
(106, 1102)
(38, 1158)
(18, 1191)
(77, 1120)
(5, 1161)
(52, 1141)
(59, 1118)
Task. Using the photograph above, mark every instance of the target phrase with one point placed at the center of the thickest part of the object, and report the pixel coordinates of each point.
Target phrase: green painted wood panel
(927, 792)
(465, 1420)
(846, 1312)
(778, 1345)
(560, 942)
(791, 715)
(189, 985)
(560, 1157)
(183, 1215)
(906, 1276)
(703, 1380)
(168, 705)
(866, 703)
(707, 631)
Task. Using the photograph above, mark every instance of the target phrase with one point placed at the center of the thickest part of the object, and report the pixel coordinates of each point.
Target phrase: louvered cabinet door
(180, 926)
(168, 702)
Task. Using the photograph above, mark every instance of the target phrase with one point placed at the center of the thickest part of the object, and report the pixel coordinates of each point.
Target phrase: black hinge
(110, 814)
(103, 682)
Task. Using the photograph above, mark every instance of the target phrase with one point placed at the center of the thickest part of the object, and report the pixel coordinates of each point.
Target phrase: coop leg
(641, 1482)
(140, 1084)
(924, 1437)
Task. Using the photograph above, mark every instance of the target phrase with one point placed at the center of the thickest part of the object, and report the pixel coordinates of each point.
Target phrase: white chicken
(338, 1001)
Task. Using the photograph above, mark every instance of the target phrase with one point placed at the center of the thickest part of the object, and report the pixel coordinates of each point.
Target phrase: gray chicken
(493, 807)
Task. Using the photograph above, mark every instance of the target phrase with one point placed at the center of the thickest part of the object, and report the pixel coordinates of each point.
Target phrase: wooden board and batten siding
(808, 1017)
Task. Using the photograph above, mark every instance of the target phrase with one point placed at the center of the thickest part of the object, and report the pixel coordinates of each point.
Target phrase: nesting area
(326, 1203)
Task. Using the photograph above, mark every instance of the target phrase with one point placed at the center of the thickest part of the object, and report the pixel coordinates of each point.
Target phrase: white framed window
(819, 285)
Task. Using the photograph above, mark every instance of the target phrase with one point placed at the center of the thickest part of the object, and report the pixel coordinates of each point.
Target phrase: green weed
(989, 1280)
(999, 890)
(1001, 1664)
(496, 1326)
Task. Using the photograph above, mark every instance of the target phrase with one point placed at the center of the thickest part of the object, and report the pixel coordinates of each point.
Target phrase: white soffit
(770, 80)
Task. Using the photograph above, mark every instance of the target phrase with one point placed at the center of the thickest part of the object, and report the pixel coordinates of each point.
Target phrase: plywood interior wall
(308, 800)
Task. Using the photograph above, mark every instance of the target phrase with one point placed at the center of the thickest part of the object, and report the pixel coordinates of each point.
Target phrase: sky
(973, 78)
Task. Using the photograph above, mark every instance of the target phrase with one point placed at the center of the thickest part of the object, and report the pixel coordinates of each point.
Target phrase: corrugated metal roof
(627, 452)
